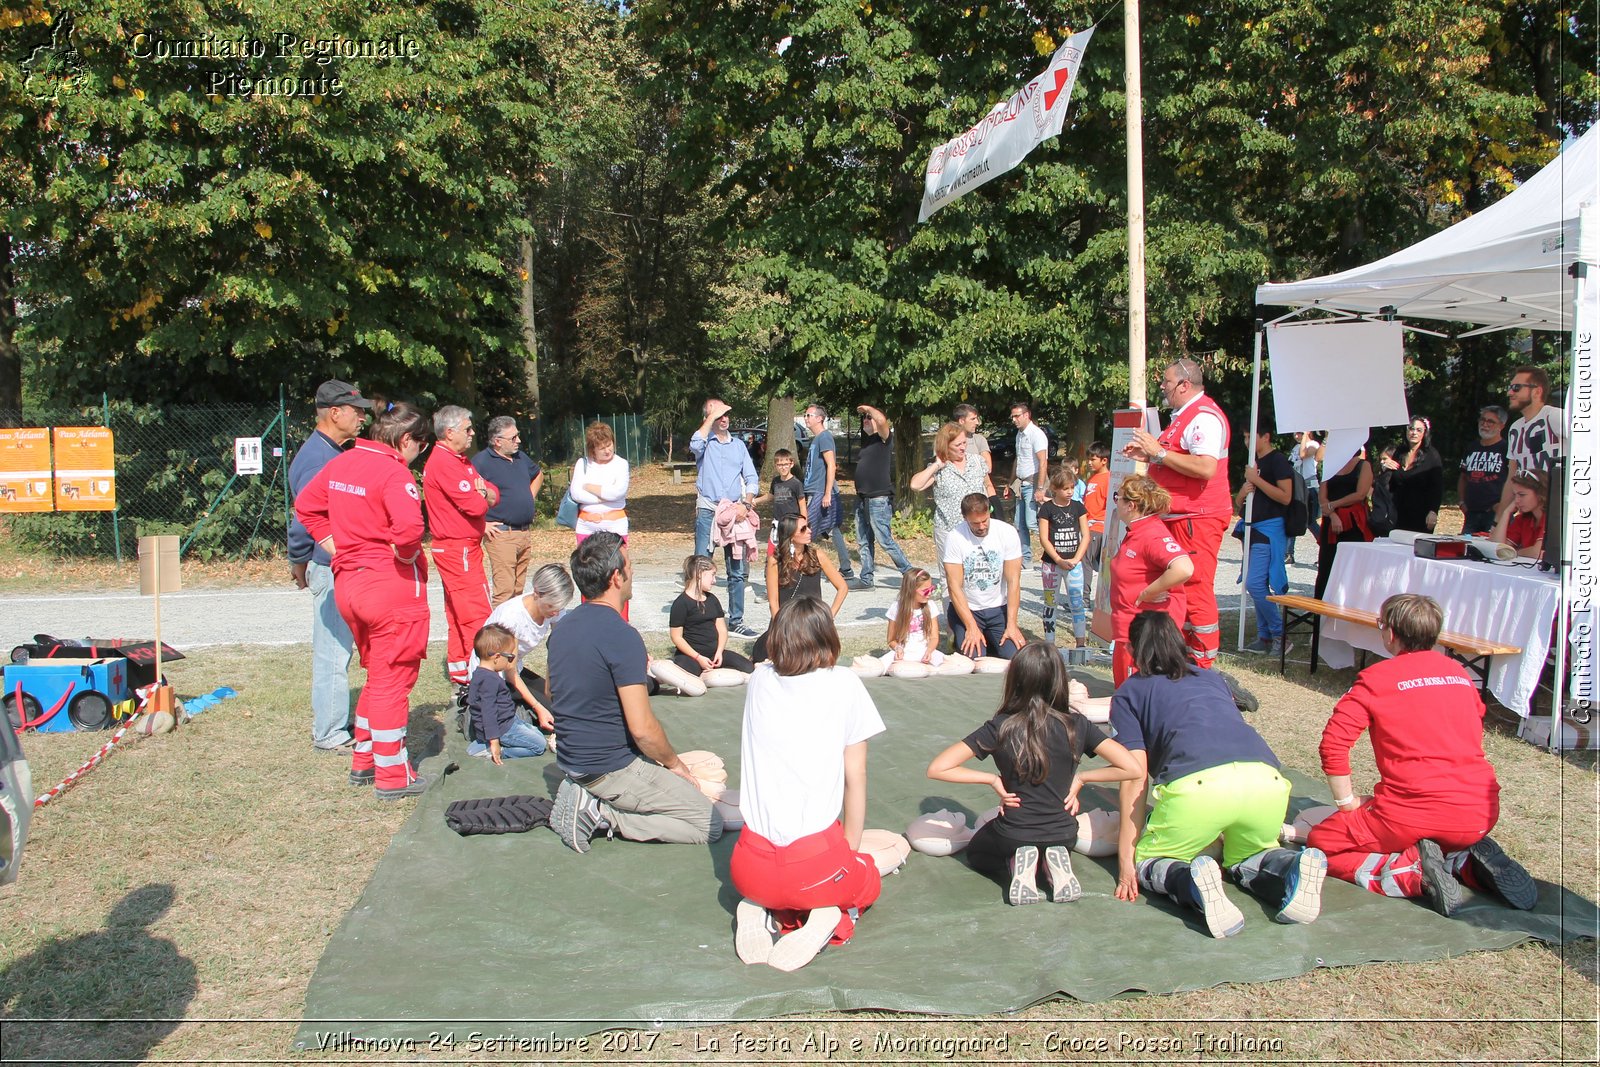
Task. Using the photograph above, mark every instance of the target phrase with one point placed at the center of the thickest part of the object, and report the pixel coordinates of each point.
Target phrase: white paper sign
(247, 455)
(1337, 375)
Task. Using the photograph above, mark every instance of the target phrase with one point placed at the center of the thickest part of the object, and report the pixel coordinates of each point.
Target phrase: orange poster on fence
(25, 470)
(86, 477)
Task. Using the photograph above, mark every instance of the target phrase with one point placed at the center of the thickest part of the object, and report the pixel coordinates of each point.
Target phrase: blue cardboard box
(85, 690)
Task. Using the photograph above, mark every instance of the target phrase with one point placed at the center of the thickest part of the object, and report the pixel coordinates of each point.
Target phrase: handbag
(567, 514)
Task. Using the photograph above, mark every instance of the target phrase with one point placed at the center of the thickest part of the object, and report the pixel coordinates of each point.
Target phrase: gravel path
(269, 615)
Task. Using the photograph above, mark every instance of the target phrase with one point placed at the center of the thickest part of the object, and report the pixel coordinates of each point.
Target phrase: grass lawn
(196, 876)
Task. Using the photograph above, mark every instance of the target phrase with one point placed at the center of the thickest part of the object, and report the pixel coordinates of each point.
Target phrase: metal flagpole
(1136, 347)
(1250, 501)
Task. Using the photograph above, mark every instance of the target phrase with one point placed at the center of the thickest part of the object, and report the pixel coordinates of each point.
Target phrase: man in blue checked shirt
(725, 474)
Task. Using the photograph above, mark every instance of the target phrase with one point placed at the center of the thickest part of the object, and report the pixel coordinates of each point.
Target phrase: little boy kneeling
(496, 730)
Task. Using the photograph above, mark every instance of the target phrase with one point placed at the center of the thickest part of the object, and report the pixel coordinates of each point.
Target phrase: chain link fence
(175, 475)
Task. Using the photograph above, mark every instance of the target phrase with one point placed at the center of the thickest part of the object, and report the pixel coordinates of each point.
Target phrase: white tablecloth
(1506, 605)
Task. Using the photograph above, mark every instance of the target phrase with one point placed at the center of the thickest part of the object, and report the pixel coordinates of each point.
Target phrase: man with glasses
(1483, 472)
(1534, 441)
(1190, 461)
(724, 475)
(457, 499)
(508, 544)
(823, 509)
(341, 409)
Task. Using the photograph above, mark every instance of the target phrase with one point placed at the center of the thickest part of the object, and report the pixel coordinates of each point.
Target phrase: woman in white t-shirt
(599, 487)
(803, 795)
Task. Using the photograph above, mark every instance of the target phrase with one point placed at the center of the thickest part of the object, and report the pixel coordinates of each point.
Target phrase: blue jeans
(991, 623)
(1269, 620)
(1070, 582)
(1027, 520)
(873, 515)
(519, 741)
(738, 570)
(331, 645)
(831, 516)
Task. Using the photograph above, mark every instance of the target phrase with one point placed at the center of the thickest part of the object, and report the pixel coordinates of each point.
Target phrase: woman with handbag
(1343, 498)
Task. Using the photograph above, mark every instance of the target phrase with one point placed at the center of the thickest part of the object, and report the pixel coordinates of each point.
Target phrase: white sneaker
(1223, 918)
(796, 949)
(755, 933)
(1303, 901)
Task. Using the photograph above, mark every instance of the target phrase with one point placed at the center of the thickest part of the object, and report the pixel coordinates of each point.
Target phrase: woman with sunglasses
(1149, 568)
(797, 570)
(364, 509)
(1417, 479)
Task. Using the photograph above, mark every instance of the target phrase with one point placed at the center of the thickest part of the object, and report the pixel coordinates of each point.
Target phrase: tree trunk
(530, 342)
(780, 433)
(10, 355)
(1074, 437)
(908, 459)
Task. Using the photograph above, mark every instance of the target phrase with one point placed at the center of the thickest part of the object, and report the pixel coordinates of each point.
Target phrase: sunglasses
(1517, 387)
(926, 590)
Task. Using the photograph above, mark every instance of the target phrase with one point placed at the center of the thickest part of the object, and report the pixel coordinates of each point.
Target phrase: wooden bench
(1308, 612)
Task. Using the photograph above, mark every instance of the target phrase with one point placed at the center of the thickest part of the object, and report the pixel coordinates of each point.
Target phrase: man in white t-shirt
(1535, 440)
(983, 566)
(1032, 473)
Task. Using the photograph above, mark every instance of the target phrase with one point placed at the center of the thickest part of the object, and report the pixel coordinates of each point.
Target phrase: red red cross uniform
(1425, 719)
(1144, 555)
(367, 501)
(455, 517)
(1202, 511)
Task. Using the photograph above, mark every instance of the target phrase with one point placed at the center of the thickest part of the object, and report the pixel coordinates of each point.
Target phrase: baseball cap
(334, 392)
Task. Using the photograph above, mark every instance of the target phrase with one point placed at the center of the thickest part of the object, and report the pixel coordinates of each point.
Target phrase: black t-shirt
(786, 494)
(1063, 520)
(1485, 468)
(699, 621)
(593, 653)
(1274, 467)
(1184, 725)
(872, 467)
(1041, 816)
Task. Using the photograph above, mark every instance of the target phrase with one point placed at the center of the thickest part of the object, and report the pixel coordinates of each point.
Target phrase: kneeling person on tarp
(623, 775)
(1425, 829)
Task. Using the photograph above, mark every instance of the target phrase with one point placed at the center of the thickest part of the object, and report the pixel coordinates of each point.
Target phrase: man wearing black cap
(341, 409)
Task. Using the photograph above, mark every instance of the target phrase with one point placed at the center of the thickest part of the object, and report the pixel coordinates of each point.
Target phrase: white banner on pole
(1007, 133)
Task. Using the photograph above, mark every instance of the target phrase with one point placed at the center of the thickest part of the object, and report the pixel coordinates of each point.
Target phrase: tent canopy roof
(1505, 267)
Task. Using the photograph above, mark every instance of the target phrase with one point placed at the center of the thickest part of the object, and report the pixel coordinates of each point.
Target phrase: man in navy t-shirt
(823, 510)
(622, 774)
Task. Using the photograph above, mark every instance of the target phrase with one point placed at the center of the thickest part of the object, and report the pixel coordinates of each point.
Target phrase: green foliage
(1282, 138)
(201, 242)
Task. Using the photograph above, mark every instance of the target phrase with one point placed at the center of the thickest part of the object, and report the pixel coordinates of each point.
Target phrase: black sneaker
(1242, 697)
(414, 788)
(859, 583)
(575, 816)
(1024, 887)
(1505, 876)
(365, 777)
(741, 631)
(1439, 886)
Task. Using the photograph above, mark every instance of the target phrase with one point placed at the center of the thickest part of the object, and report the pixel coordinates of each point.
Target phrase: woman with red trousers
(364, 508)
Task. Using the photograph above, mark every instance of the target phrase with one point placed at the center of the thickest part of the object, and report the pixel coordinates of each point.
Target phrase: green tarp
(456, 932)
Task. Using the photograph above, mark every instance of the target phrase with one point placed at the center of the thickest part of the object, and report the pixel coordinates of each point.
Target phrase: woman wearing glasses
(797, 570)
(364, 509)
(1149, 569)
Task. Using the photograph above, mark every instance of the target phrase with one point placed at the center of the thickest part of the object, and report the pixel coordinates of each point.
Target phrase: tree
(189, 228)
(1281, 139)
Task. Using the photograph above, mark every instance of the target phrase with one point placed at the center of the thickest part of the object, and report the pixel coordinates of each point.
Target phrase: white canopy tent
(1526, 262)
(1506, 267)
